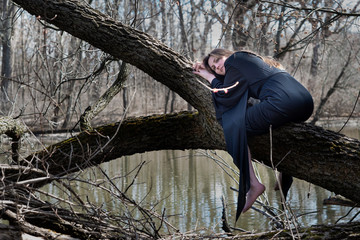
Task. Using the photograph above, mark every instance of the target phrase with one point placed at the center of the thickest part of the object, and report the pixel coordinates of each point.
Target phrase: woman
(234, 78)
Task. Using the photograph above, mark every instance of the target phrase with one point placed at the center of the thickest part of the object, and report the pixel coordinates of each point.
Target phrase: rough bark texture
(14, 129)
(11, 127)
(130, 45)
(319, 156)
(174, 131)
(123, 42)
(316, 155)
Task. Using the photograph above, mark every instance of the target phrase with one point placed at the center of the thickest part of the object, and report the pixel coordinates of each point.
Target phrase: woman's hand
(199, 69)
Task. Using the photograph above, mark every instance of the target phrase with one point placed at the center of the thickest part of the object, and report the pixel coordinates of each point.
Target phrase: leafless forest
(82, 64)
(48, 77)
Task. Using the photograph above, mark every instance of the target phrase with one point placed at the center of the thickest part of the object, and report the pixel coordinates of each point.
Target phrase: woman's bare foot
(252, 195)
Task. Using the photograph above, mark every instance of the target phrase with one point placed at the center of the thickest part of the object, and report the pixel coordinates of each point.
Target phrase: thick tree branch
(125, 43)
(136, 135)
(316, 155)
(323, 157)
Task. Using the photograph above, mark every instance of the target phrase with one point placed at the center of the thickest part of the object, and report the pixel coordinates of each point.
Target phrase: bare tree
(7, 16)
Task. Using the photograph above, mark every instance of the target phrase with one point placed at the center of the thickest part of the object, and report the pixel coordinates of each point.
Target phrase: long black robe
(282, 99)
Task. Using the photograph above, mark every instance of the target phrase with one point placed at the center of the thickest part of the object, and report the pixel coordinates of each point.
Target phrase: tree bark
(6, 68)
(14, 129)
(322, 157)
(319, 156)
(331, 90)
(133, 135)
(132, 46)
(123, 42)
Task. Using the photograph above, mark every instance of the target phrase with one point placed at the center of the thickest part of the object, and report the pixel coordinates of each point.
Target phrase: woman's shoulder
(239, 57)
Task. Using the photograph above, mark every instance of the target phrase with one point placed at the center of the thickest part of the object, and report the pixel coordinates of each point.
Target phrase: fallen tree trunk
(319, 156)
(134, 135)
(322, 157)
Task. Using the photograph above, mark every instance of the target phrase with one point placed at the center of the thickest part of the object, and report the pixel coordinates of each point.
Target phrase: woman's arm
(234, 82)
(200, 70)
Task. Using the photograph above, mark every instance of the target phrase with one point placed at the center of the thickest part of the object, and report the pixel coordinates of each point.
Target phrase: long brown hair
(220, 52)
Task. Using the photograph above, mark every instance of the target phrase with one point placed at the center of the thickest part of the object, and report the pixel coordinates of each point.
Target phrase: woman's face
(217, 64)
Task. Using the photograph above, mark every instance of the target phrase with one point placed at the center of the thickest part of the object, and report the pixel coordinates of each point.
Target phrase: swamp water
(189, 187)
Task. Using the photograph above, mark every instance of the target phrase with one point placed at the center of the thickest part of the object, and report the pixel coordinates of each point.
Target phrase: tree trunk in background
(226, 27)
(315, 59)
(93, 110)
(164, 32)
(6, 63)
(314, 67)
(185, 45)
(192, 30)
(167, 98)
(204, 37)
(331, 90)
(70, 87)
(279, 30)
(164, 39)
(263, 41)
(58, 75)
(184, 39)
(191, 41)
(240, 35)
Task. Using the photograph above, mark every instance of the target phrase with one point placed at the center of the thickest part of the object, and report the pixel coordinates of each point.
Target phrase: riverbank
(335, 122)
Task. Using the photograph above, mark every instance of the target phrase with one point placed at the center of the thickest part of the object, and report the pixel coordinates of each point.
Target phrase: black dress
(282, 99)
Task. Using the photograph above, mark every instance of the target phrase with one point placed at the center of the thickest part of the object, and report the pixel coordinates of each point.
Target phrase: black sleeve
(233, 77)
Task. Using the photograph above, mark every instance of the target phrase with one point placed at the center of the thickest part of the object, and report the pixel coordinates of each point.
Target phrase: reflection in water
(189, 186)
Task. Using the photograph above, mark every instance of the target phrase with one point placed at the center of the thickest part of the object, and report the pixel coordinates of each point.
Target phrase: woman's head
(214, 61)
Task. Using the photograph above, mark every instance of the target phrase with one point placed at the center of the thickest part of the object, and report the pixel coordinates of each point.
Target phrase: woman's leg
(256, 188)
